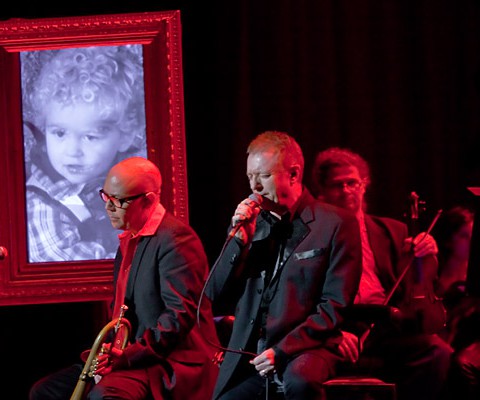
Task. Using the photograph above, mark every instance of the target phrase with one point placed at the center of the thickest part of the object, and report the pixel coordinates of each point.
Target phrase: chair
(348, 388)
(359, 388)
(363, 386)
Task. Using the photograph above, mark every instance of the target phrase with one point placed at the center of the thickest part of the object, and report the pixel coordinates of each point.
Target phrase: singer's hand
(349, 347)
(265, 363)
(243, 221)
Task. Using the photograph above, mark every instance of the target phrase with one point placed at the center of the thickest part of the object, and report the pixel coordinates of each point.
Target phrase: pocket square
(309, 254)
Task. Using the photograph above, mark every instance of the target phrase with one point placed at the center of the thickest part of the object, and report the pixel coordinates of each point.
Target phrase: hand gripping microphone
(258, 200)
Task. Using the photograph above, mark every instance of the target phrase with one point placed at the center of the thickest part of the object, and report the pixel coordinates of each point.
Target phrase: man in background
(396, 350)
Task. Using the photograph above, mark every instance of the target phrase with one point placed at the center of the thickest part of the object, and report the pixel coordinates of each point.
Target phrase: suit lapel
(302, 217)
(299, 231)
(137, 258)
(381, 248)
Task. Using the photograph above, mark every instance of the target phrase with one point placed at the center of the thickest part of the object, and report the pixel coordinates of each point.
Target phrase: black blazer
(318, 277)
(386, 237)
(419, 314)
(168, 273)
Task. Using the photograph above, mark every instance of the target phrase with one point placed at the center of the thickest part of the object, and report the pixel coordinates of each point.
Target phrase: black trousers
(123, 384)
(302, 378)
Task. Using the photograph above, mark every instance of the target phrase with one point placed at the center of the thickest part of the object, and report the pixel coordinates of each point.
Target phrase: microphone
(258, 200)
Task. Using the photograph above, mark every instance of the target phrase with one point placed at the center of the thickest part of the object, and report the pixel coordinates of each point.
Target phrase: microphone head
(257, 198)
(266, 204)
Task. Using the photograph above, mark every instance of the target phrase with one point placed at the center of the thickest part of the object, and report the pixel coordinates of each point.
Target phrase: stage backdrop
(396, 81)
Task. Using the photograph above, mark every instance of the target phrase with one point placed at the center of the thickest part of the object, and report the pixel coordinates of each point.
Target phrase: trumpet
(121, 331)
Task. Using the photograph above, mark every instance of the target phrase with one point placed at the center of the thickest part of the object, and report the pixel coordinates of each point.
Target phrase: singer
(289, 267)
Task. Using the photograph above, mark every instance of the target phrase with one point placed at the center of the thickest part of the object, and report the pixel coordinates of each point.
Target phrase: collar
(361, 221)
(150, 227)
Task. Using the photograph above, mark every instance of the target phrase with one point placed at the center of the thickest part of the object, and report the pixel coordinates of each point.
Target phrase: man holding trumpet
(159, 272)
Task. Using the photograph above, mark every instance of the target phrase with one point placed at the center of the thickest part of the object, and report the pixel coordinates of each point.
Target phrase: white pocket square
(308, 254)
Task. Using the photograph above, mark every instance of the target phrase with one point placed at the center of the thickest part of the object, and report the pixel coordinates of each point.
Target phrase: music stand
(473, 270)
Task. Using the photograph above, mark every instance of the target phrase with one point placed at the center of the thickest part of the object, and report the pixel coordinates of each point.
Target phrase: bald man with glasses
(159, 273)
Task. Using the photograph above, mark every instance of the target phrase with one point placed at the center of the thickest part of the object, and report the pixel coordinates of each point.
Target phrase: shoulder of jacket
(387, 222)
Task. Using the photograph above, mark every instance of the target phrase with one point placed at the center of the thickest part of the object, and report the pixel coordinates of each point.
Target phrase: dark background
(396, 81)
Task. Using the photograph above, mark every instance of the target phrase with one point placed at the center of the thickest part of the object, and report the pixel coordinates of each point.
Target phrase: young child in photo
(83, 111)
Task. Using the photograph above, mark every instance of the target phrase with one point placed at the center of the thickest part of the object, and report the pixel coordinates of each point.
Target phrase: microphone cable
(217, 359)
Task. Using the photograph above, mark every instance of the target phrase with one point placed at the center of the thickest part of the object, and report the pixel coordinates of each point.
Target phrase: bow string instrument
(422, 308)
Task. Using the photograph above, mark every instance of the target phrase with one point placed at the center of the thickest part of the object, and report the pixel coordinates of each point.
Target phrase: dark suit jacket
(319, 276)
(166, 279)
(386, 237)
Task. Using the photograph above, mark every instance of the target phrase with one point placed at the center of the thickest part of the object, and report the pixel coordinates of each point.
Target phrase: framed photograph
(77, 95)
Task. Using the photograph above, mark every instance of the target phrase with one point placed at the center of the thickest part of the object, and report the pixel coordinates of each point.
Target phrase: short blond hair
(286, 146)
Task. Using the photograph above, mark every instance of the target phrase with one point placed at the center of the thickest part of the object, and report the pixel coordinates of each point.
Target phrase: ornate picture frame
(23, 279)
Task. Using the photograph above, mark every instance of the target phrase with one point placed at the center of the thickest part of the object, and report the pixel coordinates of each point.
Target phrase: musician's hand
(349, 347)
(114, 360)
(245, 215)
(423, 245)
(265, 362)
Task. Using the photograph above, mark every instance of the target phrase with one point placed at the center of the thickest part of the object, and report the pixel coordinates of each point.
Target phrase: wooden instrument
(421, 306)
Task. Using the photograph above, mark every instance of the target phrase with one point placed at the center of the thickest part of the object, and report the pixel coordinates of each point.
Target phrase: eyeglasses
(118, 203)
(351, 184)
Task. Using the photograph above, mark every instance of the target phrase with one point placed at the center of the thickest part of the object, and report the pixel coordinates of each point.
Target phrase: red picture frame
(159, 33)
